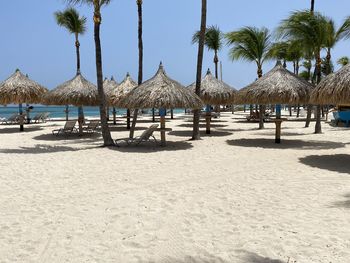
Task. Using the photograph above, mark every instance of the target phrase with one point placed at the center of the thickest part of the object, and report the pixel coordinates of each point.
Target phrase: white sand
(234, 196)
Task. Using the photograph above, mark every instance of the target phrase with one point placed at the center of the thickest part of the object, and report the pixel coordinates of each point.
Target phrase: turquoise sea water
(59, 111)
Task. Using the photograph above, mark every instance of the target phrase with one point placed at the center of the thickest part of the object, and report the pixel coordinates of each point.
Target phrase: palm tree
(343, 61)
(140, 71)
(251, 44)
(310, 29)
(213, 41)
(97, 5)
(279, 51)
(75, 24)
(201, 42)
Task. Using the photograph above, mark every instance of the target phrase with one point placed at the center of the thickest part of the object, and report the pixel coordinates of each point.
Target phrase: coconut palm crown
(250, 44)
(213, 41)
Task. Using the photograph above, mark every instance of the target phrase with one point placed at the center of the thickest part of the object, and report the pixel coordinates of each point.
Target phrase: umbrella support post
(21, 117)
(207, 119)
(162, 127)
(128, 119)
(278, 123)
(114, 116)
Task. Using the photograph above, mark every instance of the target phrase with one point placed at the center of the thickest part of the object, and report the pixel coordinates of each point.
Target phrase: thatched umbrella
(109, 87)
(78, 92)
(214, 92)
(121, 91)
(161, 92)
(334, 89)
(278, 86)
(19, 89)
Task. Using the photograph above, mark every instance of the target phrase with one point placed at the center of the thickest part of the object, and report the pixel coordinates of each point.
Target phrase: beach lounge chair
(45, 116)
(69, 128)
(146, 136)
(36, 118)
(92, 126)
(11, 120)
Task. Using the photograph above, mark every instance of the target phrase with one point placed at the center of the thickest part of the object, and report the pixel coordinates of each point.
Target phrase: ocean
(59, 111)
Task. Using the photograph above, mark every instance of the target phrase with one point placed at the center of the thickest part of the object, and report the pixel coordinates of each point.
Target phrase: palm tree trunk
(261, 107)
(140, 73)
(196, 113)
(216, 61)
(309, 106)
(318, 128)
(312, 6)
(107, 139)
(80, 108)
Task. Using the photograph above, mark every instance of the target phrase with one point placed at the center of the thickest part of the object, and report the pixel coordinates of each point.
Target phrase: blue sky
(33, 42)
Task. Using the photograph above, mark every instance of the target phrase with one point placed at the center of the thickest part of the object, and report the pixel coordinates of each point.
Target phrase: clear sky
(31, 40)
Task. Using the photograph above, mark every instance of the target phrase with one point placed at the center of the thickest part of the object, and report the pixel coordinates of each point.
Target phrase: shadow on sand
(147, 147)
(188, 133)
(16, 129)
(286, 144)
(337, 162)
(244, 257)
(41, 149)
(72, 138)
(342, 204)
(202, 125)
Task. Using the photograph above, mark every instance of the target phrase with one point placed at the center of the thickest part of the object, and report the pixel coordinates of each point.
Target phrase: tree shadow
(337, 162)
(41, 149)
(188, 133)
(282, 134)
(342, 204)
(251, 257)
(286, 144)
(243, 257)
(74, 138)
(202, 125)
(123, 128)
(147, 147)
(16, 129)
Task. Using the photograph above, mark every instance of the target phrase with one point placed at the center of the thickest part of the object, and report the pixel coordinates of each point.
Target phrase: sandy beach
(234, 196)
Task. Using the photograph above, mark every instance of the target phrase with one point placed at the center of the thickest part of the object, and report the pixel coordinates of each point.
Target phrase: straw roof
(161, 92)
(77, 91)
(109, 87)
(122, 90)
(18, 88)
(214, 91)
(334, 89)
(278, 86)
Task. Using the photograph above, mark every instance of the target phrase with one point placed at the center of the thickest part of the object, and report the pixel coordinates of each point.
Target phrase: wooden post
(278, 123)
(114, 116)
(128, 115)
(278, 131)
(80, 120)
(207, 118)
(67, 112)
(21, 117)
(162, 126)
(233, 108)
(172, 113)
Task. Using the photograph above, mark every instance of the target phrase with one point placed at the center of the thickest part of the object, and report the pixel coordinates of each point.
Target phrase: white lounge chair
(69, 128)
(92, 126)
(146, 136)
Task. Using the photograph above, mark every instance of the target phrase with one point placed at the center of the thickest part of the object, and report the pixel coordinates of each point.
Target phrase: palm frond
(71, 20)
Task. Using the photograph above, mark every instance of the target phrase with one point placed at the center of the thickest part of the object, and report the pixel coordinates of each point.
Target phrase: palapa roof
(278, 86)
(109, 87)
(18, 88)
(214, 91)
(122, 90)
(161, 92)
(334, 89)
(77, 91)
